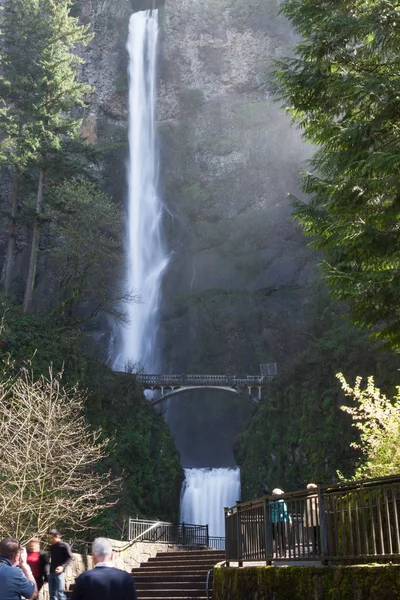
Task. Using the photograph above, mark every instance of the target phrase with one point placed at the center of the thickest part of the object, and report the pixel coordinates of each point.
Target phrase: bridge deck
(204, 380)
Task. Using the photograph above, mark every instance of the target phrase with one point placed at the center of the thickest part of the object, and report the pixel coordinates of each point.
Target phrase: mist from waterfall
(146, 256)
(205, 493)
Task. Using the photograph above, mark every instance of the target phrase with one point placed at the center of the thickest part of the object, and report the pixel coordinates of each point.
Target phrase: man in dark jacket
(104, 582)
(60, 557)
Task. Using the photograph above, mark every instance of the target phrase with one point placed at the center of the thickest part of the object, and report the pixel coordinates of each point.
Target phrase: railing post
(207, 537)
(268, 533)
(322, 523)
(227, 534)
(239, 536)
(183, 534)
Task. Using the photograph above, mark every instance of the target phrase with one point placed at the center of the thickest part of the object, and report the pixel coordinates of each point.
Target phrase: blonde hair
(277, 492)
(33, 542)
(312, 486)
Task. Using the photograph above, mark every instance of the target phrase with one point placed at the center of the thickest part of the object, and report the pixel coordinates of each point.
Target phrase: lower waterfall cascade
(205, 493)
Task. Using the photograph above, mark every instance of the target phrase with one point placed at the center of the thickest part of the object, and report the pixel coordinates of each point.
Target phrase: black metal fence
(351, 522)
(217, 543)
(169, 533)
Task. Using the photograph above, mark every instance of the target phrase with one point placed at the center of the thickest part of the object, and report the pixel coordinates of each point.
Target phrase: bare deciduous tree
(49, 459)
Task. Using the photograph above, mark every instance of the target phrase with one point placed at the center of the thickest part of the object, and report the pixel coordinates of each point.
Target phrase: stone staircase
(176, 575)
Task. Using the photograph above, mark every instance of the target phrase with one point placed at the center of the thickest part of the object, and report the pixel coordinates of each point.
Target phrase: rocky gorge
(241, 287)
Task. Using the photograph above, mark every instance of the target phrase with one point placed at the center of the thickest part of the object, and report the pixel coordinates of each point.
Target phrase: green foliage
(49, 457)
(300, 434)
(85, 258)
(39, 90)
(192, 98)
(39, 84)
(378, 420)
(144, 452)
(342, 88)
(366, 582)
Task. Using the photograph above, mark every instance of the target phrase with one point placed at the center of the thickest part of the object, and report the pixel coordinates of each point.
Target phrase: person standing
(104, 582)
(15, 582)
(280, 520)
(60, 557)
(311, 517)
(38, 562)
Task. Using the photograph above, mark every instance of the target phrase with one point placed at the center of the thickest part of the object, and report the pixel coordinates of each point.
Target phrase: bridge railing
(354, 522)
(202, 380)
(181, 534)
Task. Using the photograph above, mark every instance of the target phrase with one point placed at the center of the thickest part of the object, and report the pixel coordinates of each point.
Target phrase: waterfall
(205, 493)
(146, 256)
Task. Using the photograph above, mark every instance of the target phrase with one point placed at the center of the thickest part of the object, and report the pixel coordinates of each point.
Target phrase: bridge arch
(181, 390)
(249, 386)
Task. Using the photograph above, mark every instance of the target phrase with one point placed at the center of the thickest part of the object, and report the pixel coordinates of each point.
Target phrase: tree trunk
(30, 281)
(12, 233)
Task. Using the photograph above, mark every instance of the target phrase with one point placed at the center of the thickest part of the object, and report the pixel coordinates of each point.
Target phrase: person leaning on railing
(280, 519)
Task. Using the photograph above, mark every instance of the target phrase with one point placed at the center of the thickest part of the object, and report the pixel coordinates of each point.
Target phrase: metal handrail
(184, 534)
(218, 543)
(208, 583)
(350, 521)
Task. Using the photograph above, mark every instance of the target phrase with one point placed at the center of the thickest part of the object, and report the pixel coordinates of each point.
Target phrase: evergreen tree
(343, 88)
(39, 88)
(83, 265)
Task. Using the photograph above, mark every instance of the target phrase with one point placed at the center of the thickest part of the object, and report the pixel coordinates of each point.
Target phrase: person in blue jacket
(104, 582)
(280, 519)
(16, 578)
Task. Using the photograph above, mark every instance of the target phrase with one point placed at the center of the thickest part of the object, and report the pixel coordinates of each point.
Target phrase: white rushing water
(145, 250)
(205, 493)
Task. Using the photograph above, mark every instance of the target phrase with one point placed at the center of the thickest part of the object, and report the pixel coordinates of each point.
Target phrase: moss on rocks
(366, 582)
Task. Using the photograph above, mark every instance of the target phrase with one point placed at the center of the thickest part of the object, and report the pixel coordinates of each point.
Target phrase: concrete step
(204, 566)
(176, 575)
(190, 553)
(182, 565)
(176, 593)
(161, 585)
(186, 560)
(170, 577)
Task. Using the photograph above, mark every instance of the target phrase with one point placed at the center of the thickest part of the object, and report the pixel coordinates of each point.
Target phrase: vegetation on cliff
(300, 434)
(50, 458)
(40, 91)
(342, 87)
(69, 235)
(143, 452)
(377, 418)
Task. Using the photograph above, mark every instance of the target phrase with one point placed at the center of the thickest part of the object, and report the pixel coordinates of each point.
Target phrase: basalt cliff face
(236, 290)
(238, 284)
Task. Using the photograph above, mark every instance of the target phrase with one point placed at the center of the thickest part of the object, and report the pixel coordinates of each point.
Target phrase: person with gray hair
(104, 582)
(311, 518)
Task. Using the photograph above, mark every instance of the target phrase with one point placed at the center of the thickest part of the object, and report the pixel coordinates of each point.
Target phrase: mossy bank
(369, 582)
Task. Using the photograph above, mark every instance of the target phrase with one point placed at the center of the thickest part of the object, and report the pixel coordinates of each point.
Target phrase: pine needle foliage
(39, 86)
(41, 92)
(342, 87)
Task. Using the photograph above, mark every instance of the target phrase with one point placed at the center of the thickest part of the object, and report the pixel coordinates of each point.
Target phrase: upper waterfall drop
(145, 251)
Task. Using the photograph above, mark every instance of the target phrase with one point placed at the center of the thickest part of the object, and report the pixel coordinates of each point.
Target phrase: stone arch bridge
(249, 386)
